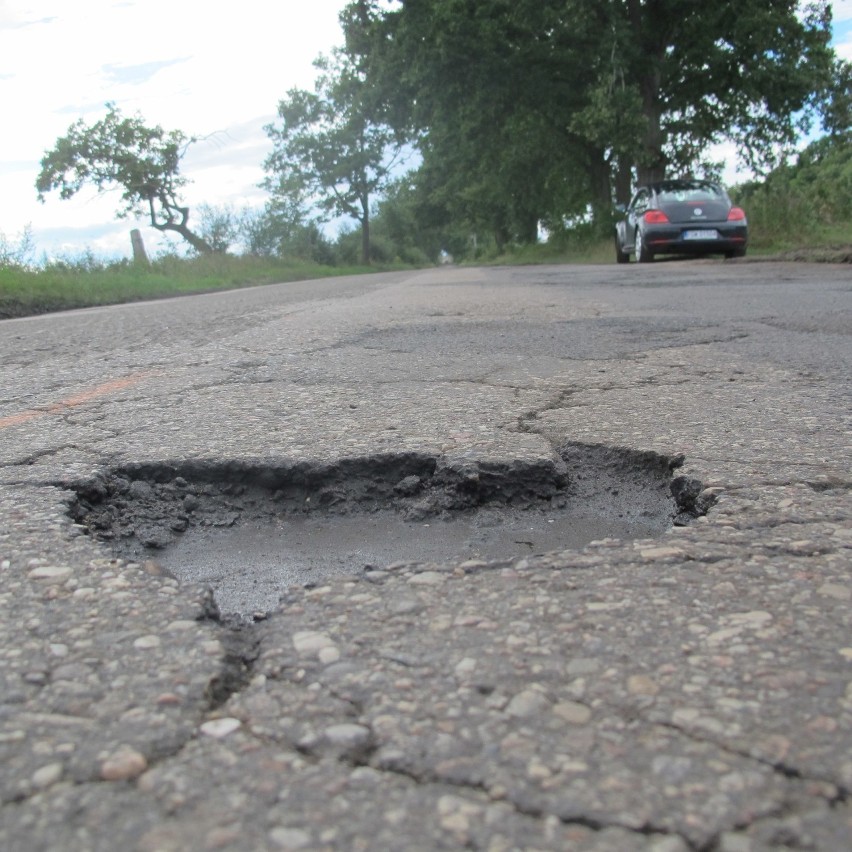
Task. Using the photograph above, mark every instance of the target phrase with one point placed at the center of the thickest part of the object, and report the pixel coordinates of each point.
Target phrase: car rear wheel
(643, 253)
(735, 253)
(620, 256)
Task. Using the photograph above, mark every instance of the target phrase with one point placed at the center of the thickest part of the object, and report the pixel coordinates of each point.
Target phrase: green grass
(63, 286)
(582, 252)
(774, 241)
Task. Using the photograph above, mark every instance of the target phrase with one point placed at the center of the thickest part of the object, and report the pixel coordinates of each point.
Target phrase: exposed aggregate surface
(687, 692)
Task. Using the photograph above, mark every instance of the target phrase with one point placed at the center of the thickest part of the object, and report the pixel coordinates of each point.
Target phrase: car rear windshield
(683, 192)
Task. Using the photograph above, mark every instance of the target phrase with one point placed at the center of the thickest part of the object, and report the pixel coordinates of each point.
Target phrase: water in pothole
(249, 565)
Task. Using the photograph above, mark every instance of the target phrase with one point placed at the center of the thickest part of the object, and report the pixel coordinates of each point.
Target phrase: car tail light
(655, 217)
(736, 214)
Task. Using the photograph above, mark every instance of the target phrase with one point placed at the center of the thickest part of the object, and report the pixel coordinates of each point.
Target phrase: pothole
(251, 529)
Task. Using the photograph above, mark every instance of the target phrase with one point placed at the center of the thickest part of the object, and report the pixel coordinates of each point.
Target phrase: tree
(279, 230)
(18, 253)
(752, 71)
(219, 226)
(837, 105)
(537, 108)
(486, 104)
(412, 225)
(142, 161)
(812, 195)
(333, 149)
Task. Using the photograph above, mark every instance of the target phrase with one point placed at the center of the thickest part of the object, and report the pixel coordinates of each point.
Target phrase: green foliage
(332, 149)
(808, 200)
(535, 110)
(86, 281)
(415, 228)
(219, 226)
(279, 231)
(749, 70)
(18, 253)
(836, 106)
(467, 78)
(143, 162)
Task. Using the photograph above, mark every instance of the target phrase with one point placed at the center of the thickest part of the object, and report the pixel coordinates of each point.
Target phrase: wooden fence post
(139, 254)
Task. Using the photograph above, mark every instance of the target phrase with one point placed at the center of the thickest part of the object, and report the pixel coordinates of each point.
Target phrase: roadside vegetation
(87, 281)
(804, 204)
(802, 210)
(450, 131)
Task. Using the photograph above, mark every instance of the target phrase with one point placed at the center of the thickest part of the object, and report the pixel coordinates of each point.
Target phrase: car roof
(681, 183)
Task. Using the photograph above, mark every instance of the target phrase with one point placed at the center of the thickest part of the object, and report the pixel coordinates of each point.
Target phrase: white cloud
(842, 10)
(214, 71)
(844, 48)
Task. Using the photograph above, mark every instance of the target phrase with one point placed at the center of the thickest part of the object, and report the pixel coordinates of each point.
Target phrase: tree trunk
(528, 229)
(171, 223)
(652, 164)
(365, 232)
(501, 237)
(601, 186)
(199, 244)
(623, 181)
(646, 26)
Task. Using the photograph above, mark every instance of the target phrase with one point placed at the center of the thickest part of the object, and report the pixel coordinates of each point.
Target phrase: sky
(215, 71)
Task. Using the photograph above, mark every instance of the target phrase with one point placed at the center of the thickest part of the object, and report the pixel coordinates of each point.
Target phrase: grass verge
(58, 287)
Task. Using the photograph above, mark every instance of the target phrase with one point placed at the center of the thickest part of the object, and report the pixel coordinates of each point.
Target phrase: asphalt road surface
(687, 690)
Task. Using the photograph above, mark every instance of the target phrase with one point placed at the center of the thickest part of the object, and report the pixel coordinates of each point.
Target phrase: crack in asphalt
(784, 770)
(423, 777)
(33, 460)
(524, 421)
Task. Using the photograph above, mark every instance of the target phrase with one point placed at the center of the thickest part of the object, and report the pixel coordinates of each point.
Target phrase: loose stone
(642, 685)
(347, 736)
(328, 655)
(836, 591)
(47, 775)
(50, 574)
(526, 703)
(311, 642)
(427, 578)
(290, 838)
(654, 553)
(123, 765)
(573, 712)
(220, 728)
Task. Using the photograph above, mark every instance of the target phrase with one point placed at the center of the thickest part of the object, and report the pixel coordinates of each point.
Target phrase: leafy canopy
(332, 150)
(532, 110)
(142, 161)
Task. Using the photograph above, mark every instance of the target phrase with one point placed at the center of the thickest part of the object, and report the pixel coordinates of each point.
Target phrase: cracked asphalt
(689, 692)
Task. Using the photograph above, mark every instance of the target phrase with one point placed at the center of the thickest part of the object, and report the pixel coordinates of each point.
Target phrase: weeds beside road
(87, 283)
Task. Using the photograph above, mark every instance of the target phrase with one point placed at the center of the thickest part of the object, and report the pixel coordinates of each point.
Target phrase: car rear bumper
(719, 237)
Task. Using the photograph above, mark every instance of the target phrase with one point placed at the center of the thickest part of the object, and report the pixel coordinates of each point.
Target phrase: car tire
(620, 256)
(730, 255)
(643, 253)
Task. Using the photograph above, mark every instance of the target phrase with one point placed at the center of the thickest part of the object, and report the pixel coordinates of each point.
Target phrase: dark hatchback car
(680, 217)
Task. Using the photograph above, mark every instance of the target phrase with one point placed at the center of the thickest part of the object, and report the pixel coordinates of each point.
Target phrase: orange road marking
(73, 401)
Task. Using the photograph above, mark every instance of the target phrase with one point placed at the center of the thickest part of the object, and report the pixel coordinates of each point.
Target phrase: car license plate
(701, 235)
